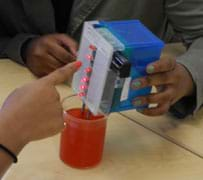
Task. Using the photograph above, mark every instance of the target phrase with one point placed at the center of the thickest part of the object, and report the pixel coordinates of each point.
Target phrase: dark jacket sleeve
(11, 47)
(186, 17)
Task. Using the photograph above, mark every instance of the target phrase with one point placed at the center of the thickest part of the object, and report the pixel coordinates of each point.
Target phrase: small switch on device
(120, 65)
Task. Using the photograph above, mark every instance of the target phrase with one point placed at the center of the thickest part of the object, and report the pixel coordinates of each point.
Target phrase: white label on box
(126, 87)
(101, 65)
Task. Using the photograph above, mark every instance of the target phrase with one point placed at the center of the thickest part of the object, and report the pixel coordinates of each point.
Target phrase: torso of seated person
(62, 9)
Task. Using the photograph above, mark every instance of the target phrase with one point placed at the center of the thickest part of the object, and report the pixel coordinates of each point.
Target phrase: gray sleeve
(186, 17)
(11, 47)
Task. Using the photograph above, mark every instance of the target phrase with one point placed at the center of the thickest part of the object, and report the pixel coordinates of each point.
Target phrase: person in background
(30, 113)
(44, 35)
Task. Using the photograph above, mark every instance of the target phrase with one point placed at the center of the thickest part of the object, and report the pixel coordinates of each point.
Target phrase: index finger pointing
(62, 74)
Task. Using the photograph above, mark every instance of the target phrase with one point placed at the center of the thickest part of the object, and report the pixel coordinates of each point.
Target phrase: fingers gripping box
(113, 54)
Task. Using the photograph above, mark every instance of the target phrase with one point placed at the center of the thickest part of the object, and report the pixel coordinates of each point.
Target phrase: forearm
(11, 140)
(5, 162)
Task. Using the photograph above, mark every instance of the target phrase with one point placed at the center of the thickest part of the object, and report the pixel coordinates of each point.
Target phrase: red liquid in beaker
(82, 140)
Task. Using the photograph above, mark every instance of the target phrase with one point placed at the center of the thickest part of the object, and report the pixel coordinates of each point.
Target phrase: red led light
(88, 70)
(85, 79)
(92, 47)
(81, 94)
(89, 57)
(83, 87)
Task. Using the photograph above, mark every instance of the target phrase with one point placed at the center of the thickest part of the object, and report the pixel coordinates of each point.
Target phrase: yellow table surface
(136, 147)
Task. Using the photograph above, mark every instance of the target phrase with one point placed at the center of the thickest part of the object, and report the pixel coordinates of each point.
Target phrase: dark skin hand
(172, 81)
(50, 52)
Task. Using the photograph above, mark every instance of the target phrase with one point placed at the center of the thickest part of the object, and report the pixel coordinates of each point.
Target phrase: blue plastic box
(141, 48)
